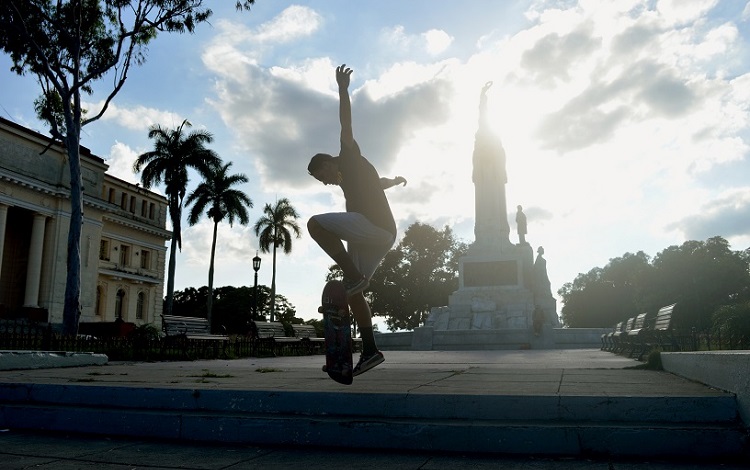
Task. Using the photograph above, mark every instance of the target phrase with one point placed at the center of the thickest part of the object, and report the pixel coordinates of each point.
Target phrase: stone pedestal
(494, 292)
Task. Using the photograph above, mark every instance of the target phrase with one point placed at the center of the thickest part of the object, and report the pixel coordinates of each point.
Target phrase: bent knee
(314, 228)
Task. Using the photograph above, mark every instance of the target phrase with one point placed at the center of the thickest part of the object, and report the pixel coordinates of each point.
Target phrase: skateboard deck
(338, 332)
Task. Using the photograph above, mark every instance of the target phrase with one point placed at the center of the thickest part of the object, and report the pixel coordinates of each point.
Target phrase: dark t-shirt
(361, 185)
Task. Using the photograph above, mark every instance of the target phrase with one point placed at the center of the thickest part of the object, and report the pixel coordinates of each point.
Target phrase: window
(111, 195)
(140, 306)
(132, 204)
(124, 201)
(144, 208)
(104, 250)
(145, 259)
(151, 211)
(124, 255)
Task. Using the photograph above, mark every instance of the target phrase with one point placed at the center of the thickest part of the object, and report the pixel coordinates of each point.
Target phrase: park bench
(662, 334)
(607, 341)
(635, 338)
(618, 338)
(309, 337)
(272, 336)
(191, 336)
(192, 327)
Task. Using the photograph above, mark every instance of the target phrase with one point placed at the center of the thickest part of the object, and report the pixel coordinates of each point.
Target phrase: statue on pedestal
(521, 224)
(489, 177)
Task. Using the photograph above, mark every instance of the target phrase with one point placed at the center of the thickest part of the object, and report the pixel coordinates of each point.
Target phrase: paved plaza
(441, 385)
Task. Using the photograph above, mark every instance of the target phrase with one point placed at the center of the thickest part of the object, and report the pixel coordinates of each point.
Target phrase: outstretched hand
(343, 76)
(399, 179)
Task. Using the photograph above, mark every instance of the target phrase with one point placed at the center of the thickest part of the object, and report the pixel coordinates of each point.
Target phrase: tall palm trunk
(210, 299)
(170, 278)
(273, 281)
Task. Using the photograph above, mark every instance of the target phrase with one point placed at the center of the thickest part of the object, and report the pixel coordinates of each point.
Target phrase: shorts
(366, 243)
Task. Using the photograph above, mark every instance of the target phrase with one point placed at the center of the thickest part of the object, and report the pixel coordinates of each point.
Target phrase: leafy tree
(275, 229)
(223, 201)
(605, 296)
(70, 45)
(699, 276)
(732, 324)
(174, 152)
(190, 302)
(415, 276)
(233, 306)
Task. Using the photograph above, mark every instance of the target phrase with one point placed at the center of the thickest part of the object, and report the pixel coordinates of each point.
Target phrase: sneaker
(368, 362)
(355, 286)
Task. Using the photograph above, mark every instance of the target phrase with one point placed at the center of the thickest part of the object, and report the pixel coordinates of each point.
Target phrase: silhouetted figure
(542, 287)
(367, 226)
(538, 320)
(521, 223)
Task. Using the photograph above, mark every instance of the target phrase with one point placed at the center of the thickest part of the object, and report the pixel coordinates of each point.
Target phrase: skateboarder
(367, 226)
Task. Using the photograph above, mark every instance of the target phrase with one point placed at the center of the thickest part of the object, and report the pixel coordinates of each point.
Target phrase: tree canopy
(232, 306)
(69, 46)
(701, 276)
(415, 276)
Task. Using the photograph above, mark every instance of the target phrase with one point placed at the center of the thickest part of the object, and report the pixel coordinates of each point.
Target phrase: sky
(626, 124)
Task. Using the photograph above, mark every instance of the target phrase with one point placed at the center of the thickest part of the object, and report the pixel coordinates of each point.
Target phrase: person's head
(519, 208)
(323, 168)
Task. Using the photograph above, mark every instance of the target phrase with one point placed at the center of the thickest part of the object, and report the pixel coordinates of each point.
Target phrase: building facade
(123, 240)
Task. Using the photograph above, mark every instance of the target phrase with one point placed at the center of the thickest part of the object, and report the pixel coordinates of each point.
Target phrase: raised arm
(343, 75)
(386, 183)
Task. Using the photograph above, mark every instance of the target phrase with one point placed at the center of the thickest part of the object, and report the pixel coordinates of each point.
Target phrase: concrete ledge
(13, 360)
(726, 370)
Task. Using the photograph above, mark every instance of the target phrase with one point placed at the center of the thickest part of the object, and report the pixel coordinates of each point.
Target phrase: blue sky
(626, 123)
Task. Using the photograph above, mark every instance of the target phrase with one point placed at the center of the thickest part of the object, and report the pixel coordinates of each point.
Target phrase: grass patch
(653, 362)
(267, 370)
(207, 374)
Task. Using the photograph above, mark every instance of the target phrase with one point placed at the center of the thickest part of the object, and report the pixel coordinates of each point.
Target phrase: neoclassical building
(123, 241)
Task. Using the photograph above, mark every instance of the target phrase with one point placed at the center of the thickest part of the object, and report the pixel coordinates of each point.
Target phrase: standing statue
(491, 220)
(542, 286)
(521, 224)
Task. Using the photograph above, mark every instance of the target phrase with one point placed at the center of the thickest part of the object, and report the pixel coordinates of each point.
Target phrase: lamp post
(256, 267)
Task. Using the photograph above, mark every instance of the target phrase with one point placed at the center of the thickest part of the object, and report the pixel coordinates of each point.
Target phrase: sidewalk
(531, 372)
(23, 450)
(531, 402)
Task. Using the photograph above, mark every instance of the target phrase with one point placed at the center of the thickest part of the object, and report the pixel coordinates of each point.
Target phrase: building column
(34, 268)
(3, 223)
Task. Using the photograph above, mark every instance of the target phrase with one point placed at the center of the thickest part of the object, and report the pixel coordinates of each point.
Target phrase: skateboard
(338, 332)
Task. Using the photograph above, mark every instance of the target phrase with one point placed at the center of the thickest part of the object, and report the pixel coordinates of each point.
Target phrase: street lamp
(256, 267)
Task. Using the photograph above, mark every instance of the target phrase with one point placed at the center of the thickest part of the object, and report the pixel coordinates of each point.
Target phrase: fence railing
(19, 335)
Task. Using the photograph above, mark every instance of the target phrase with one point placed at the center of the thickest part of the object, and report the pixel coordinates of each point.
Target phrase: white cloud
(293, 23)
(120, 160)
(436, 41)
(399, 42)
(137, 118)
(677, 12)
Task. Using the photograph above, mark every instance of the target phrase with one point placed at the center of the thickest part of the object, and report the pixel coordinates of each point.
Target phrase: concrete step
(700, 426)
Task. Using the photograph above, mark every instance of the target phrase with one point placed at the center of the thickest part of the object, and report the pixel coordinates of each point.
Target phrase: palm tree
(273, 230)
(174, 152)
(216, 194)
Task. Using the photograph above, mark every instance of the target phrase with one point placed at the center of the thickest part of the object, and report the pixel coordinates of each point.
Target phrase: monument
(500, 285)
